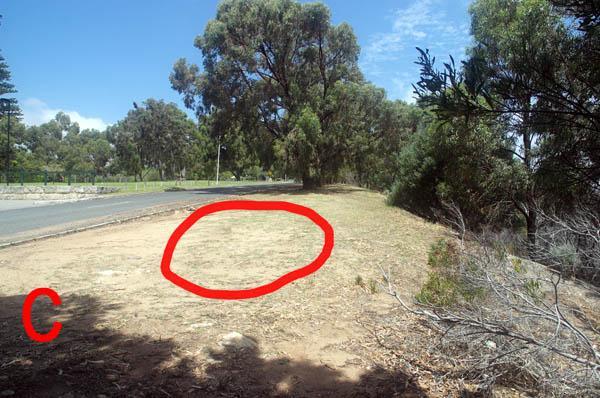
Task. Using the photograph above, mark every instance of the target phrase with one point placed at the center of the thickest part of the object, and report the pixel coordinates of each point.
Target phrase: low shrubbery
(502, 321)
(445, 286)
(571, 245)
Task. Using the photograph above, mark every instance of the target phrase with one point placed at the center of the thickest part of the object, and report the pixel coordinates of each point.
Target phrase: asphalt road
(24, 223)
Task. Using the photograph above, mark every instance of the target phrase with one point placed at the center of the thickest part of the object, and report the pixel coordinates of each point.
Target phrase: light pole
(218, 157)
(6, 102)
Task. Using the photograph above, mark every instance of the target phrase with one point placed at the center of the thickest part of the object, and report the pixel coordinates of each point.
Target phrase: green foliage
(518, 265)
(418, 174)
(443, 255)
(281, 83)
(531, 77)
(533, 288)
(157, 138)
(58, 145)
(358, 281)
(6, 87)
(201, 155)
(373, 289)
(370, 287)
(299, 148)
(18, 132)
(9, 106)
(265, 62)
(226, 175)
(459, 163)
(370, 131)
(237, 152)
(444, 287)
(156, 135)
(438, 290)
(128, 158)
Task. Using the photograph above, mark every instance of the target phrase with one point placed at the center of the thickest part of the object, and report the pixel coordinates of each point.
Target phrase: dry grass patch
(128, 331)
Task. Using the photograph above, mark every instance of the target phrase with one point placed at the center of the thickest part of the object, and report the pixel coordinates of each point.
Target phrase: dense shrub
(456, 163)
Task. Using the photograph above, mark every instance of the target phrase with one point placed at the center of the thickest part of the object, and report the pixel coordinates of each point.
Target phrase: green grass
(152, 186)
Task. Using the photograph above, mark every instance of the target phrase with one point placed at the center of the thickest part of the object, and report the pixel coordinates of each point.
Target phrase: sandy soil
(129, 332)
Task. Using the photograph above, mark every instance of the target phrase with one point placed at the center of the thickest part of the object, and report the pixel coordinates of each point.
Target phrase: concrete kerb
(59, 192)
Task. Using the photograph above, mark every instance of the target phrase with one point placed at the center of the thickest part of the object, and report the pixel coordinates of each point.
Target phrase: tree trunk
(530, 195)
(310, 182)
(529, 212)
(531, 228)
(531, 220)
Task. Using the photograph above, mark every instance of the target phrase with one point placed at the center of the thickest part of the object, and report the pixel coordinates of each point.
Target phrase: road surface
(26, 223)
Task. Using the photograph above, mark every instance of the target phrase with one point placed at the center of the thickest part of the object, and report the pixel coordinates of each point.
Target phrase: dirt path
(129, 332)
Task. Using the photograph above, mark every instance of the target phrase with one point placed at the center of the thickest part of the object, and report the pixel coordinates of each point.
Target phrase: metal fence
(23, 177)
(122, 182)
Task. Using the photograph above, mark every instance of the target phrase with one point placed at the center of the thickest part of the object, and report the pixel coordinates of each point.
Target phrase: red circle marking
(26, 316)
(165, 265)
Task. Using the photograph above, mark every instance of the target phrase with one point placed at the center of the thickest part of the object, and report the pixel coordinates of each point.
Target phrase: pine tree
(6, 87)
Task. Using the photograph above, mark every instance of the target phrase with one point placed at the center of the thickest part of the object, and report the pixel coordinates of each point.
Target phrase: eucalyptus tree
(276, 63)
(154, 135)
(127, 152)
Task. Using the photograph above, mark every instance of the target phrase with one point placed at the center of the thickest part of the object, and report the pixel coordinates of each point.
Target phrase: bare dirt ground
(129, 332)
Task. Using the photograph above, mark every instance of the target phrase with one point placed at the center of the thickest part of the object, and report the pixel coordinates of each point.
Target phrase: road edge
(6, 245)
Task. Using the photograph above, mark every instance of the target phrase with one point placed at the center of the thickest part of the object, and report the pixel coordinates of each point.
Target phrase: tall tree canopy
(532, 74)
(277, 63)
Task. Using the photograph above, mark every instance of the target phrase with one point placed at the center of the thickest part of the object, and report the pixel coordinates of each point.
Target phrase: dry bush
(502, 322)
(571, 244)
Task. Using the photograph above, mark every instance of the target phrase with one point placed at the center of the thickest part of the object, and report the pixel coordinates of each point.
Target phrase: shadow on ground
(92, 359)
(276, 189)
(246, 189)
(333, 189)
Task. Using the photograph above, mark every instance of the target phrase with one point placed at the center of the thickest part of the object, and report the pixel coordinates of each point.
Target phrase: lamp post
(6, 102)
(218, 157)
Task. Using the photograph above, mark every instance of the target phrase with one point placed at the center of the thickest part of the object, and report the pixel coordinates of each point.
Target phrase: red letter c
(33, 335)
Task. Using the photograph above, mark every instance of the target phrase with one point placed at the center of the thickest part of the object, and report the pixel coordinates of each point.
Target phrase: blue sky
(93, 58)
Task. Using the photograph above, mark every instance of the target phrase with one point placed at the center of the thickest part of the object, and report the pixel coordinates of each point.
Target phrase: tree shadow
(276, 189)
(86, 359)
(246, 189)
(244, 373)
(91, 358)
(334, 189)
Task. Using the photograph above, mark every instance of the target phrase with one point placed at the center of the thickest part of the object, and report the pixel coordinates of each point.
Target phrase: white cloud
(424, 24)
(409, 96)
(408, 21)
(37, 112)
(403, 89)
